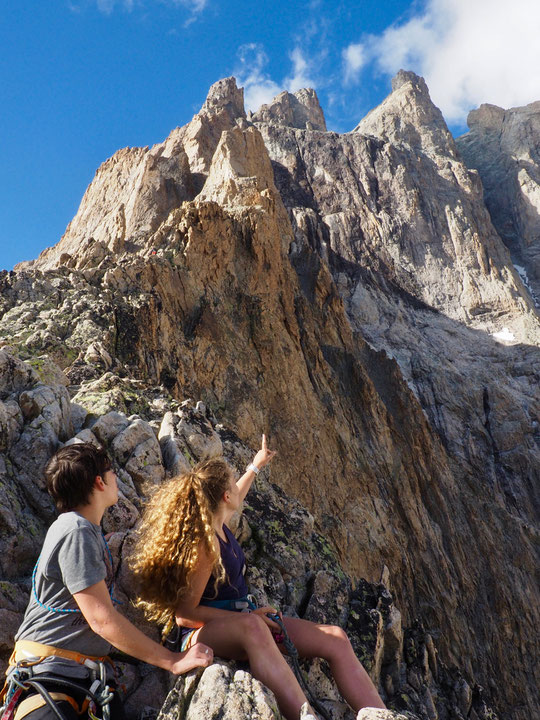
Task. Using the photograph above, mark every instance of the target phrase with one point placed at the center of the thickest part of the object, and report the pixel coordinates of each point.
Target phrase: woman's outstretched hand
(264, 455)
(200, 655)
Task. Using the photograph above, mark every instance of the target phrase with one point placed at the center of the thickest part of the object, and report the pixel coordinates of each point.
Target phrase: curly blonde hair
(176, 523)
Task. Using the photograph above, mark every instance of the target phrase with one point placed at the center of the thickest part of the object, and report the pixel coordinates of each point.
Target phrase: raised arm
(98, 610)
(262, 458)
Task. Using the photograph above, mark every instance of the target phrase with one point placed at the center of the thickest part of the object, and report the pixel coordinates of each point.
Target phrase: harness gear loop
(11, 705)
(20, 678)
(92, 698)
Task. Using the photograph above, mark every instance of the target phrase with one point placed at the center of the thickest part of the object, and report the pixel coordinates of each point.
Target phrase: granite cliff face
(348, 294)
(503, 145)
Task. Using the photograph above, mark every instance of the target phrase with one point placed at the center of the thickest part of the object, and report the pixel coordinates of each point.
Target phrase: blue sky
(82, 78)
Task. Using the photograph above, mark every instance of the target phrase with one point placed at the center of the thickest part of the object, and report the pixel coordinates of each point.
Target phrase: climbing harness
(292, 652)
(21, 678)
(247, 603)
(175, 640)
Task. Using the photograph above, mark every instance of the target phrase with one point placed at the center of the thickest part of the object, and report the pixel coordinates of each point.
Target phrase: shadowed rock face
(339, 292)
(503, 146)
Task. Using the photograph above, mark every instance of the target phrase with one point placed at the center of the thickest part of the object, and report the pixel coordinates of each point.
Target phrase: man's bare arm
(96, 606)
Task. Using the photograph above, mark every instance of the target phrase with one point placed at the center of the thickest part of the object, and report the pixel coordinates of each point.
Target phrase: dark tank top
(234, 562)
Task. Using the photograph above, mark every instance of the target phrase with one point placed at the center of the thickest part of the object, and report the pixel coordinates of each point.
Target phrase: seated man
(71, 622)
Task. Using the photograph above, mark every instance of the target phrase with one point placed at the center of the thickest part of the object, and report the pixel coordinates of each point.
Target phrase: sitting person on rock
(190, 567)
(71, 623)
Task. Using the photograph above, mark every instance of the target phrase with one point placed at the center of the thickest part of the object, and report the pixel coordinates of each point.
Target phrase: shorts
(189, 638)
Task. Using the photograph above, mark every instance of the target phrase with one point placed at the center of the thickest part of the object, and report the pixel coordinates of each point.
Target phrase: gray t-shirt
(74, 557)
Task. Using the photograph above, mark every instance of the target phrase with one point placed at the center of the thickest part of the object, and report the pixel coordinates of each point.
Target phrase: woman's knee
(255, 631)
(338, 639)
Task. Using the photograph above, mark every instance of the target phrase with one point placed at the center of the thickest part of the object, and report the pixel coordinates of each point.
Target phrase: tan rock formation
(345, 306)
(299, 110)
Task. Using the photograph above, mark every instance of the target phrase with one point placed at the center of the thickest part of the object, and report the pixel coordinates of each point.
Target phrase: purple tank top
(234, 562)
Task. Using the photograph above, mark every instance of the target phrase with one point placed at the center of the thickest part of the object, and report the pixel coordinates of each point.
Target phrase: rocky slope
(346, 293)
(291, 565)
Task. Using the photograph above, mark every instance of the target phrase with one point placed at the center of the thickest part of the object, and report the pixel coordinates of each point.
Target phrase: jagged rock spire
(408, 116)
(299, 110)
(225, 95)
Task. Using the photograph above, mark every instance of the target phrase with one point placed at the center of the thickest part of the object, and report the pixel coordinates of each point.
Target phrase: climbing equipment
(30, 653)
(247, 603)
(292, 652)
(21, 678)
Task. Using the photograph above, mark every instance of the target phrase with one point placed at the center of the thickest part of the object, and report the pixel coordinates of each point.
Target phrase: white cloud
(196, 6)
(300, 76)
(107, 6)
(259, 87)
(469, 52)
(354, 58)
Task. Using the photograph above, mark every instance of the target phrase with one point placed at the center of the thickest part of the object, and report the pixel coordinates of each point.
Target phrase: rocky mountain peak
(241, 172)
(407, 76)
(347, 292)
(225, 95)
(409, 117)
(486, 117)
(298, 110)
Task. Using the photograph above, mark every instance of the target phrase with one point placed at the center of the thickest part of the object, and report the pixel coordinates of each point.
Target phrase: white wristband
(253, 467)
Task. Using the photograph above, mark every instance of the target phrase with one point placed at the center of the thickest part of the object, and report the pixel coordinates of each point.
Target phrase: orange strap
(27, 653)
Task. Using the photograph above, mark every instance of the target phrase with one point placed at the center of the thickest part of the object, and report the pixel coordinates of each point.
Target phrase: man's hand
(264, 455)
(200, 655)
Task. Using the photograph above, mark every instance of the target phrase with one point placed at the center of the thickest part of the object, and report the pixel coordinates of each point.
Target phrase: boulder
(220, 691)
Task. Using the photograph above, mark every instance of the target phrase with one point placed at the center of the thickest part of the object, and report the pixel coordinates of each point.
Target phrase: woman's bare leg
(246, 636)
(332, 644)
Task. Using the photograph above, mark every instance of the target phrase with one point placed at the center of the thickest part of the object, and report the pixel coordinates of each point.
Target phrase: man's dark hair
(71, 473)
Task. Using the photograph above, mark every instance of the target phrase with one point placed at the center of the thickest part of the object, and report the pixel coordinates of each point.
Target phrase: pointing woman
(191, 567)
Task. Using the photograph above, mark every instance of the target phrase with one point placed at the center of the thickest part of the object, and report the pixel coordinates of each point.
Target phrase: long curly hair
(176, 523)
